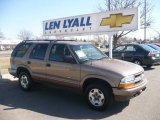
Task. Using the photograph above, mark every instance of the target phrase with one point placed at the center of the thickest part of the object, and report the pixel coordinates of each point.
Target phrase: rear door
(61, 70)
(118, 52)
(36, 61)
(129, 53)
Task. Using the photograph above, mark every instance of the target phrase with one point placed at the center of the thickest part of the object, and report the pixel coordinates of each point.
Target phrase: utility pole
(109, 5)
(145, 20)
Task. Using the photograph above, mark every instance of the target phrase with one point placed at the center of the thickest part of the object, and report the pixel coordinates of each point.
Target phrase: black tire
(138, 62)
(107, 93)
(25, 81)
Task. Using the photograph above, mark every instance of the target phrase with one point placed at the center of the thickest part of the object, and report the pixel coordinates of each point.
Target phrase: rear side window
(57, 53)
(21, 49)
(119, 49)
(130, 49)
(39, 51)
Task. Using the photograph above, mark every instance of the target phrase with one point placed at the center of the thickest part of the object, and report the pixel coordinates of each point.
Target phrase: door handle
(29, 62)
(48, 65)
(122, 55)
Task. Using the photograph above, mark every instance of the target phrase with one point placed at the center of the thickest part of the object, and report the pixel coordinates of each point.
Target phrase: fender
(98, 77)
(24, 66)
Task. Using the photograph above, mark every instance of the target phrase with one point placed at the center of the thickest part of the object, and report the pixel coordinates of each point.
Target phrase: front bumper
(12, 71)
(127, 94)
(151, 61)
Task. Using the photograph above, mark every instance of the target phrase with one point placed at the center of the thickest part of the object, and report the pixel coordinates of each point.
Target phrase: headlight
(128, 79)
(127, 82)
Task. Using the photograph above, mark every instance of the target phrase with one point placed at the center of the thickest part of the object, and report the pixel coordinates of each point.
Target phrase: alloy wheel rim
(24, 81)
(96, 97)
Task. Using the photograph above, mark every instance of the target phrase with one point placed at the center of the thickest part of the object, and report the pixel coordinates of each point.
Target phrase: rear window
(21, 49)
(155, 47)
(146, 47)
(39, 51)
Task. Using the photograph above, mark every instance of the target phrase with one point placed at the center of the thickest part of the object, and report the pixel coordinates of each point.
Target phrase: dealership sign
(112, 21)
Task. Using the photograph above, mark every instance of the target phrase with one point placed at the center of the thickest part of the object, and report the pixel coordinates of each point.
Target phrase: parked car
(79, 65)
(158, 44)
(140, 54)
(154, 47)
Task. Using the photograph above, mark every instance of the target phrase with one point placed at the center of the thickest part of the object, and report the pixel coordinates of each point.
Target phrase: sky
(17, 15)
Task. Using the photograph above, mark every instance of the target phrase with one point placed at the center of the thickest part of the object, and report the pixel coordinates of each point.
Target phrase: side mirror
(69, 59)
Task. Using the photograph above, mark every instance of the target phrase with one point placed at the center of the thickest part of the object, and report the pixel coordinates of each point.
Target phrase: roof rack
(46, 40)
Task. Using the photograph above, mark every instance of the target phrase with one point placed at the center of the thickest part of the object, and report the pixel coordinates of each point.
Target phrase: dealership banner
(102, 22)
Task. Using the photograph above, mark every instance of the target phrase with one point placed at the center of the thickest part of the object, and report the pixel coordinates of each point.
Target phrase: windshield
(148, 48)
(87, 52)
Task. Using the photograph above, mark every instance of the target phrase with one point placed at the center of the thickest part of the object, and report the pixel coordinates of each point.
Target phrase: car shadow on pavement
(57, 102)
(147, 69)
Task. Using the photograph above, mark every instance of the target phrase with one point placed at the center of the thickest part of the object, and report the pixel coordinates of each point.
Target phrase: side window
(119, 49)
(21, 49)
(60, 53)
(130, 49)
(67, 52)
(56, 53)
(39, 51)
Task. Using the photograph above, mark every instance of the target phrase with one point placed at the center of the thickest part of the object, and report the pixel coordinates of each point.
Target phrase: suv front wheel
(98, 96)
(25, 81)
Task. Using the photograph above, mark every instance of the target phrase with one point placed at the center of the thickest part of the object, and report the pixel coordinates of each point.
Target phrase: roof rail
(49, 40)
(65, 40)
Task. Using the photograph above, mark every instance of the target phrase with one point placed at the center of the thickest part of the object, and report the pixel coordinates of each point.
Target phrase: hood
(117, 66)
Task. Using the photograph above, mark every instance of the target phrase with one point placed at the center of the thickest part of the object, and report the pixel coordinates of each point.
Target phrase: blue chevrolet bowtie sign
(126, 19)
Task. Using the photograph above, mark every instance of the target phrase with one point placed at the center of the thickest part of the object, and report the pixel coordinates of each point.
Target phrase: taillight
(151, 54)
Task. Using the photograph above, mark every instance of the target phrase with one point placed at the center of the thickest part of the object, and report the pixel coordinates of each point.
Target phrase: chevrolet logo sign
(116, 20)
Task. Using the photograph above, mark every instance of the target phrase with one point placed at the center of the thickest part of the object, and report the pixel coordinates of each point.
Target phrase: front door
(129, 53)
(62, 67)
(118, 52)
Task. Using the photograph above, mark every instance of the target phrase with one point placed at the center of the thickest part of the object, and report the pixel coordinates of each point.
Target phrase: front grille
(139, 77)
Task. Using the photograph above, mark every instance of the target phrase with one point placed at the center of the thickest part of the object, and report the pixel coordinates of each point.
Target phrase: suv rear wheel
(98, 96)
(25, 81)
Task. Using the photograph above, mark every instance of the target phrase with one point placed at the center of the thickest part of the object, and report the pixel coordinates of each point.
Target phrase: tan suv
(79, 65)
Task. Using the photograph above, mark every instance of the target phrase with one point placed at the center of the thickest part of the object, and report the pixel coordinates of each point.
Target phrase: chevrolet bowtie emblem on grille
(116, 20)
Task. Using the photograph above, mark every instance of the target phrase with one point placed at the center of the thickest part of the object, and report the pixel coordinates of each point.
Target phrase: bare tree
(25, 35)
(122, 4)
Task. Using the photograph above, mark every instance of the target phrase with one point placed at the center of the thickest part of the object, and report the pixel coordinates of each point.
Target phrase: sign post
(96, 23)
(110, 36)
(110, 46)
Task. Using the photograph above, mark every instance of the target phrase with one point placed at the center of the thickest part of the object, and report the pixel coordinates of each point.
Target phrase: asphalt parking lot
(49, 103)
